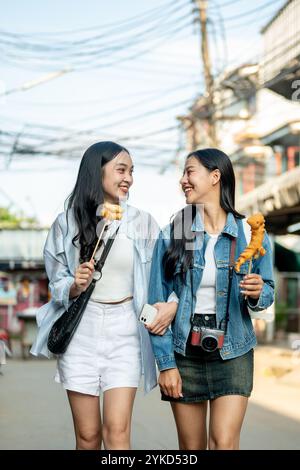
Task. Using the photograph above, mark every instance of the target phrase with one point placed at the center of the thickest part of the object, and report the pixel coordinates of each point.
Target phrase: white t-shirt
(206, 292)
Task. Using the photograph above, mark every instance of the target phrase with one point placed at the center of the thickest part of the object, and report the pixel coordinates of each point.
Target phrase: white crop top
(116, 283)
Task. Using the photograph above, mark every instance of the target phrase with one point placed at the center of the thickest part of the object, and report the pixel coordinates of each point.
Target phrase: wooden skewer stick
(249, 271)
(109, 212)
(102, 231)
(250, 266)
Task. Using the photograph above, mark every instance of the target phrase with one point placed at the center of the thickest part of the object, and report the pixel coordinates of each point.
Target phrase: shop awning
(286, 260)
(278, 200)
(22, 245)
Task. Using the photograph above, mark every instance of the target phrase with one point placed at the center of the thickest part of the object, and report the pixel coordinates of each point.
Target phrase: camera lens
(209, 343)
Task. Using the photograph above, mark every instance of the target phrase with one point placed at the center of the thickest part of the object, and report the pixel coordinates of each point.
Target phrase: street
(34, 412)
(132, 113)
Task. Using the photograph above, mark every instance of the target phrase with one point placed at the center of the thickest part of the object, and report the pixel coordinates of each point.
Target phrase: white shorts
(104, 352)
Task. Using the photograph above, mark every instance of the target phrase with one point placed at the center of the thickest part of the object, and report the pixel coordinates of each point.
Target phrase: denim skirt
(206, 376)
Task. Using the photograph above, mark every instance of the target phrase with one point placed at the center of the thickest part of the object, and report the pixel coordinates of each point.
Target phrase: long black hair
(212, 159)
(87, 194)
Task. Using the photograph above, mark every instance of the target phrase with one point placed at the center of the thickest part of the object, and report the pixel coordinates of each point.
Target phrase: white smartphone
(148, 314)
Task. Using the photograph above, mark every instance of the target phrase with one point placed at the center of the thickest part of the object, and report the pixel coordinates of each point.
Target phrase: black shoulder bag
(64, 328)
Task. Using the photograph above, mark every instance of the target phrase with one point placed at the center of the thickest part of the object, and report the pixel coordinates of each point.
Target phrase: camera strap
(231, 268)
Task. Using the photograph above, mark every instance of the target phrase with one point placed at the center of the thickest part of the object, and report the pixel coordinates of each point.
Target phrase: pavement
(277, 381)
(34, 412)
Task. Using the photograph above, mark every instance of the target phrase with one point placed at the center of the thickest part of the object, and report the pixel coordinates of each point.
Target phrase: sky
(149, 74)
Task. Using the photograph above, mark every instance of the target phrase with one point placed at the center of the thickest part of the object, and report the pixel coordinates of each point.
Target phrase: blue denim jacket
(62, 259)
(240, 337)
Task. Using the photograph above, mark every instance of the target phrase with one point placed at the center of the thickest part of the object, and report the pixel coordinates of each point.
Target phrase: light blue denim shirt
(62, 259)
(240, 337)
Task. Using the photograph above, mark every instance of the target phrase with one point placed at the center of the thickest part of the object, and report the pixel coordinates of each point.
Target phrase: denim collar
(230, 228)
(198, 225)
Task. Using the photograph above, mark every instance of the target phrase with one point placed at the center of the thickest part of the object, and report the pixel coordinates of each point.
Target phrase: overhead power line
(136, 19)
(251, 12)
(91, 52)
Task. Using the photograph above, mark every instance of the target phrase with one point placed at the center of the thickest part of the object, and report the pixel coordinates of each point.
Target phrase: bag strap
(104, 254)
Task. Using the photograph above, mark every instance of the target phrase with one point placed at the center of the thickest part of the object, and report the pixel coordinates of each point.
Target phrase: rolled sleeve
(60, 277)
(163, 350)
(264, 267)
(60, 291)
(264, 301)
(166, 362)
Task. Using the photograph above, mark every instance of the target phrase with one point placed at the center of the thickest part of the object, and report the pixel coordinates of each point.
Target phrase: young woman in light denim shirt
(191, 266)
(110, 348)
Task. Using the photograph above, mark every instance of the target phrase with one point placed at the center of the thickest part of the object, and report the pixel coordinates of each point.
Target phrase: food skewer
(109, 212)
(255, 248)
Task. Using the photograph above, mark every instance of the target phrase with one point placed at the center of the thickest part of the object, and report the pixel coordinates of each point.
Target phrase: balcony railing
(281, 42)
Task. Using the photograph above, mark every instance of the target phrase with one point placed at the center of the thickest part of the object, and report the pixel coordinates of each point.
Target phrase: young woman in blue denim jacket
(190, 265)
(110, 349)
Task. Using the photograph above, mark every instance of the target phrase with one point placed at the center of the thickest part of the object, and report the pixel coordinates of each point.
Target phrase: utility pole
(209, 83)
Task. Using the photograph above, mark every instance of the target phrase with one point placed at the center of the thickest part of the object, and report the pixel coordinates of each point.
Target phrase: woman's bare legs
(117, 413)
(190, 421)
(226, 419)
(87, 420)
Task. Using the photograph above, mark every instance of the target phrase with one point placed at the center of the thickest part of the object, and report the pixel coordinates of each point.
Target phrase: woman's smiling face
(117, 178)
(196, 182)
